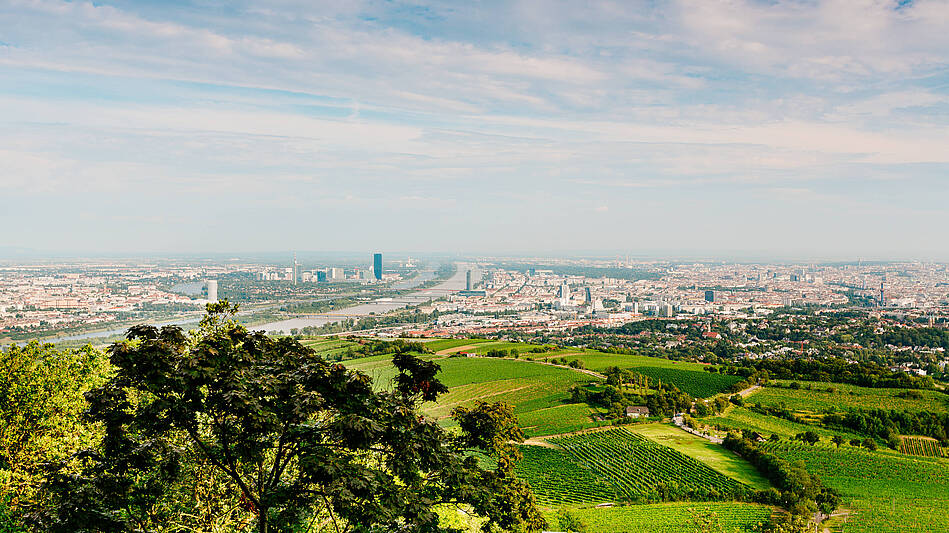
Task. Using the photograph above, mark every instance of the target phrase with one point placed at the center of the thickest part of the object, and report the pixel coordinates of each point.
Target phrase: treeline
(888, 425)
(798, 491)
(864, 374)
(368, 347)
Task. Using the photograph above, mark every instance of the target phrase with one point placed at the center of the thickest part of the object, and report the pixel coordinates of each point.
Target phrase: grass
(702, 450)
(844, 397)
(886, 491)
(742, 418)
(677, 517)
(537, 392)
(445, 344)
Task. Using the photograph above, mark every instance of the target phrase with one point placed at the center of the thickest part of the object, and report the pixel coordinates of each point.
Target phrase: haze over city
(744, 128)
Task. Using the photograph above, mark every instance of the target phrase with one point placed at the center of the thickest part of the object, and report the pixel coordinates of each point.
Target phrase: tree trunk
(262, 526)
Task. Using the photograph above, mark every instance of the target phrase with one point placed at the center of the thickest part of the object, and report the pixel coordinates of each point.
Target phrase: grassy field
(677, 517)
(702, 450)
(845, 397)
(886, 491)
(446, 344)
(641, 469)
(536, 391)
(741, 418)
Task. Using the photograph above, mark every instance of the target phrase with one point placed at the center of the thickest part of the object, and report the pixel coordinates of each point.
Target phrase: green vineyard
(922, 446)
(620, 465)
(557, 478)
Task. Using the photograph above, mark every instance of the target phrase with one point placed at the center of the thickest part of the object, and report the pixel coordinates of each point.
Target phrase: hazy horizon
(789, 129)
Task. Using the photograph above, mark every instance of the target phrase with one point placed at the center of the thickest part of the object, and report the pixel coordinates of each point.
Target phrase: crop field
(712, 455)
(886, 491)
(557, 478)
(536, 391)
(641, 469)
(699, 384)
(921, 446)
(844, 397)
(445, 344)
(741, 418)
(674, 517)
(557, 420)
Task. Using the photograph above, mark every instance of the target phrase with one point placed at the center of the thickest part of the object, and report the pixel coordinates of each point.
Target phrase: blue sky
(789, 128)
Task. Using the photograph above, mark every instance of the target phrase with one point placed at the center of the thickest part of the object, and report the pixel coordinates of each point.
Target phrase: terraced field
(677, 517)
(886, 491)
(642, 470)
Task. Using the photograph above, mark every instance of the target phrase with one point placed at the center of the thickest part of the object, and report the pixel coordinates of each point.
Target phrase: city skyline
(779, 129)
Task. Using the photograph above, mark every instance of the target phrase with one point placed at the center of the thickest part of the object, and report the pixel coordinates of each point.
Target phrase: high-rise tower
(212, 290)
(377, 266)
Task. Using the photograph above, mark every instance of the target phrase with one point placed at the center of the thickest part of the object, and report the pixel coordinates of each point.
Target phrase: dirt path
(748, 391)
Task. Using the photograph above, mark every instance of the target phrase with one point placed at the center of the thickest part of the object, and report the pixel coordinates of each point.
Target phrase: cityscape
(436, 266)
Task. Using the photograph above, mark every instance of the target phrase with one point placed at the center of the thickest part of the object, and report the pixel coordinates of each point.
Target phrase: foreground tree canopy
(227, 429)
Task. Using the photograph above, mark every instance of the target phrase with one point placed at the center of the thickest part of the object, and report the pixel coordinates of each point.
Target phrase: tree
(809, 437)
(837, 440)
(869, 444)
(41, 404)
(297, 438)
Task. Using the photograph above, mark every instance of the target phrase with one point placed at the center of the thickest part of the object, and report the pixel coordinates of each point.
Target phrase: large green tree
(41, 402)
(302, 442)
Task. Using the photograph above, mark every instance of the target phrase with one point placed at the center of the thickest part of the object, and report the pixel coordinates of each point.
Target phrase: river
(383, 305)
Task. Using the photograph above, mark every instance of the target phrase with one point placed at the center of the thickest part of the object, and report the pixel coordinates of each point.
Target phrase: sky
(788, 128)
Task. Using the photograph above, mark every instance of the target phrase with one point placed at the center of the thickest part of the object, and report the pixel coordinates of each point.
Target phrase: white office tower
(212, 290)
(336, 273)
(564, 295)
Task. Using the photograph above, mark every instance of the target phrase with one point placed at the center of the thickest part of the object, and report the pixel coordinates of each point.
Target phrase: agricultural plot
(699, 384)
(557, 478)
(844, 397)
(642, 470)
(740, 418)
(886, 491)
(527, 386)
(445, 344)
(688, 377)
(712, 455)
(921, 446)
(675, 517)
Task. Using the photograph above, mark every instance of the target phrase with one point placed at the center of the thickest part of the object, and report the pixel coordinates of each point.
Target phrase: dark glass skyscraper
(377, 266)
